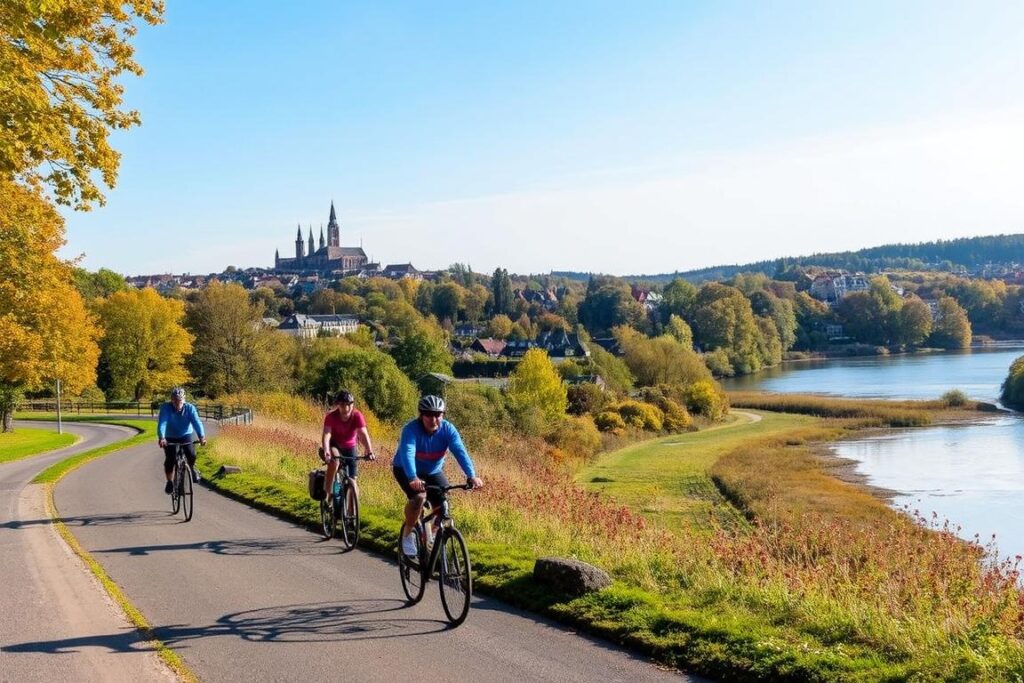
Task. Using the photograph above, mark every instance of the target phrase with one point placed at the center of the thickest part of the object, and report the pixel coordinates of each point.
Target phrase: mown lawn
(25, 441)
(668, 479)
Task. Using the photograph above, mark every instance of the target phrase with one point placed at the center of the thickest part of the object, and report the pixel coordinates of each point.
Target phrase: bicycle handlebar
(445, 489)
(350, 457)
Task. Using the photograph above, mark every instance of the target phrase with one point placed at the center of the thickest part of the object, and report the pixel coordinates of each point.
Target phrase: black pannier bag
(316, 484)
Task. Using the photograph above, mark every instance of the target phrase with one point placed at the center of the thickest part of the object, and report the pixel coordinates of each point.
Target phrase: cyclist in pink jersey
(344, 427)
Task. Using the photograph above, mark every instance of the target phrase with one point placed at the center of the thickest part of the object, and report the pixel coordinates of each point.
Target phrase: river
(971, 475)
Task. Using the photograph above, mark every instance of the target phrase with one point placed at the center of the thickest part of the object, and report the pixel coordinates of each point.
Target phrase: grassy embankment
(734, 554)
(26, 441)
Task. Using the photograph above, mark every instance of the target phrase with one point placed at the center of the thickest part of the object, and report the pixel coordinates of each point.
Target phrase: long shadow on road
(320, 622)
(148, 518)
(247, 546)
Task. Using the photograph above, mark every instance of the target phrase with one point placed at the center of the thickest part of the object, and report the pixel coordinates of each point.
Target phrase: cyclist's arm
(161, 423)
(363, 435)
(405, 454)
(326, 438)
(458, 449)
(197, 424)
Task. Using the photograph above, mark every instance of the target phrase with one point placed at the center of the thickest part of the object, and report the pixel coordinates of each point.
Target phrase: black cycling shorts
(351, 466)
(433, 495)
(170, 453)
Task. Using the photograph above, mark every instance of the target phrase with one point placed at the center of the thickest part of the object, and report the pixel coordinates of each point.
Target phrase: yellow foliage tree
(46, 333)
(536, 387)
(144, 344)
(60, 66)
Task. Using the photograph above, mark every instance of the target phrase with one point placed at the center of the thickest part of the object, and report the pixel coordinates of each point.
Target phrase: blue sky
(597, 136)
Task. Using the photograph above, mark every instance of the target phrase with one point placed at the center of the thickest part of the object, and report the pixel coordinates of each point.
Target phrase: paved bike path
(242, 595)
(47, 596)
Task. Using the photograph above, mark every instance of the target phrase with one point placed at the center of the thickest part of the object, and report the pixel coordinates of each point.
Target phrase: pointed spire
(298, 234)
(333, 216)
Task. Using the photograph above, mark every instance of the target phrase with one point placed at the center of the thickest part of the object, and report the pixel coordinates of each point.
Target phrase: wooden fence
(208, 411)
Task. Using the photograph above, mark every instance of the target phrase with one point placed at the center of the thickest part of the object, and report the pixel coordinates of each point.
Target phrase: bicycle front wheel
(328, 521)
(350, 517)
(186, 494)
(455, 581)
(176, 491)
(411, 568)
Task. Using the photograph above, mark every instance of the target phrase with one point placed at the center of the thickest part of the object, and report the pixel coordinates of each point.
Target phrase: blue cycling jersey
(420, 454)
(176, 425)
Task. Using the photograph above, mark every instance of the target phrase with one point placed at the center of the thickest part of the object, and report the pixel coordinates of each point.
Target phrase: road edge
(169, 657)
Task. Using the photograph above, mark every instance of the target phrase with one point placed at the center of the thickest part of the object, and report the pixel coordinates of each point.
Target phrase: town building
(306, 326)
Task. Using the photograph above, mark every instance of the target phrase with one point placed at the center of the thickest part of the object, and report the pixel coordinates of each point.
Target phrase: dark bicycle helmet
(344, 397)
(431, 404)
(178, 392)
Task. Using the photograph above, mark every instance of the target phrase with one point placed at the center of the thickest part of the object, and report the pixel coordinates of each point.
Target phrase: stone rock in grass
(228, 469)
(570, 576)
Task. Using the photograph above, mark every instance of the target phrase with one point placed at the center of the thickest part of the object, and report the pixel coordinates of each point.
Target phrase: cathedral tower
(299, 253)
(312, 247)
(333, 231)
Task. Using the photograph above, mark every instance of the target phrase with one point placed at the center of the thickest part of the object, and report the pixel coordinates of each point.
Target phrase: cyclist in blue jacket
(419, 461)
(175, 426)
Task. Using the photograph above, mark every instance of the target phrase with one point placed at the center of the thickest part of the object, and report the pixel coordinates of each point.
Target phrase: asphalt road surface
(56, 622)
(243, 596)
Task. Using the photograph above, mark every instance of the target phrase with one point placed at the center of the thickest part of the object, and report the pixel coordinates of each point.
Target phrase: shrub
(718, 363)
(676, 417)
(476, 406)
(277, 405)
(374, 377)
(610, 421)
(586, 398)
(706, 398)
(576, 436)
(1013, 387)
(955, 398)
(641, 415)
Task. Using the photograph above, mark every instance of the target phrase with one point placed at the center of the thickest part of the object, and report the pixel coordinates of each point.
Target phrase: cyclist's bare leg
(413, 508)
(332, 469)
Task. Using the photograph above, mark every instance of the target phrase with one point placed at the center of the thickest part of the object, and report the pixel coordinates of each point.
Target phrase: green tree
(100, 284)
(419, 352)
(448, 299)
(374, 377)
(535, 384)
(724, 319)
(613, 370)
(678, 299)
(144, 345)
(232, 351)
(662, 360)
(913, 322)
(609, 303)
(501, 292)
(680, 331)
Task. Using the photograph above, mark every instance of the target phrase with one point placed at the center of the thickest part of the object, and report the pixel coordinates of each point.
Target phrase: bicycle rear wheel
(411, 568)
(328, 522)
(455, 581)
(175, 491)
(186, 493)
(349, 517)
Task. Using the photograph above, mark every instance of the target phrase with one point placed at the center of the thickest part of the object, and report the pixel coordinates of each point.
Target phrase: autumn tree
(420, 352)
(232, 351)
(62, 66)
(536, 387)
(607, 304)
(913, 322)
(501, 292)
(102, 283)
(144, 345)
(499, 327)
(46, 333)
(951, 329)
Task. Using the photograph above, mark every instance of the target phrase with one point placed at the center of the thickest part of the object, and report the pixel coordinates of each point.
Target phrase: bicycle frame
(442, 520)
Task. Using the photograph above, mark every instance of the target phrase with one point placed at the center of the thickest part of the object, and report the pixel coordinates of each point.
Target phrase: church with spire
(329, 257)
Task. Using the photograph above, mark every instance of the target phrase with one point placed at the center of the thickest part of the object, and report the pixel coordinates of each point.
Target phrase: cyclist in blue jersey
(419, 461)
(175, 426)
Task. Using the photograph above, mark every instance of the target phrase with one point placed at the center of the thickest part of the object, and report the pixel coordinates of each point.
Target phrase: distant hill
(970, 253)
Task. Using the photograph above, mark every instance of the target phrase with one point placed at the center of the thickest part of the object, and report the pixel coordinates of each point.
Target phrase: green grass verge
(27, 441)
(146, 432)
(668, 480)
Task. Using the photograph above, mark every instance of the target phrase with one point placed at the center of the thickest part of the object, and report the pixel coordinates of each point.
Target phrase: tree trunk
(7, 417)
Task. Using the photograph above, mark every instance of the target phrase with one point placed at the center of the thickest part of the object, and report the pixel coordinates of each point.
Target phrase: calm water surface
(972, 475)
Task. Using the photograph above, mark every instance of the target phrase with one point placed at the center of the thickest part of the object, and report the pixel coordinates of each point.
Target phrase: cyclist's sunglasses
(432, 413)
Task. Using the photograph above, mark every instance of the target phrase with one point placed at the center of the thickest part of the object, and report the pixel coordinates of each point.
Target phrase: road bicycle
(181, 482)
(440, 551)
(342, 505)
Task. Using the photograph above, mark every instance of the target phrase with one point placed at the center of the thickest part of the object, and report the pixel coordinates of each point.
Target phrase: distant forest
(943, 255)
